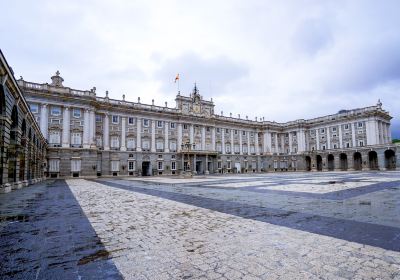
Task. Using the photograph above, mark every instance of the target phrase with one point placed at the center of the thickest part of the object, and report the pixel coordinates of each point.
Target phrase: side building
(22, 145)
(98, 136)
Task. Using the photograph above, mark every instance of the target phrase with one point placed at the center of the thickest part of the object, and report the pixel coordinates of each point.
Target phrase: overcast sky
(282, 60)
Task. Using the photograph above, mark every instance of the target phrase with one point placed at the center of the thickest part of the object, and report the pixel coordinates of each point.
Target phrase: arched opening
(390, 159)
(357, 161)
(343, 162)
(319, 163)
(308, 163)
(12, 149)
(22, 162)
(373, 160)
(2, 146)
(331, 162)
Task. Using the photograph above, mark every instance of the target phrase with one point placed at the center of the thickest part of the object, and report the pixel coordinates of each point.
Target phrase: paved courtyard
(261, 226)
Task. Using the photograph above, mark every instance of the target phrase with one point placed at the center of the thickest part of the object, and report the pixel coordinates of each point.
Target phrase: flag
(177, 77)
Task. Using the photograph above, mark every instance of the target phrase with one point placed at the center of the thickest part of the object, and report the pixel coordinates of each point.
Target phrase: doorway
(199, 167)
(146, 170)
(319, 163)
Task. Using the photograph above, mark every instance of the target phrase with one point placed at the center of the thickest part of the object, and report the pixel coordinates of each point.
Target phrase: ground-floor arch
(390, 159)
(373, 160)
(343, 162)
(331, 162)
(308, 163)
(357, 161)
(319, 163)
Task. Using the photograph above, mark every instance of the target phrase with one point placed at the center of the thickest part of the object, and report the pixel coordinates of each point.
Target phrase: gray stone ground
(274, 226)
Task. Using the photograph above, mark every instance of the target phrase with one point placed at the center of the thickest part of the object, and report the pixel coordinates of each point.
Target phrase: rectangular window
(323, 147)
(76, 138)
(131, 165)
(172, 125)
(54, 137)
(130, 143)
(55, 110)
(34, 107)
(218, 130)
(76, 112)
(160, 146)
(159, 124)
(346, 126)
(160, 165)
(229, 165)
(114, 142)
(322, 130)
(226, 130)
(185, 126)
(115, 119)
(219, 165)
(115, 165)
(98, 118)
(173, 165)
(244, 133)
(99, 141)
(334, 129)
(54, 165)
(360, 124)
(219, 147)
(236, 132)
(75, 165)
(208, 129)
(361, 143)
(172, 146)
(145, 144)
(131, 120)
(145, 122)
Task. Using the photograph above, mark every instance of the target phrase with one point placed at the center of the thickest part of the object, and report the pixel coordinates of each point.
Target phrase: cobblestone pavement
(274, 226)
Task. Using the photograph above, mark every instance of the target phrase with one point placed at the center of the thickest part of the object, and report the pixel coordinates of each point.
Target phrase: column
(86, 129)
(240, 142)
(191, 134)
(166, 137)
(153, 136)
(203, 138)
(340, 137)
(179, 140)
(138, 135)
(269, 142)
(353, 134)
(213, 138)
(384, 133)
(265, 142)
(389, 133)
(328, 137)
(380, 132)
(301, 140)
(223, 140)
(256, 143)
(317, 137)
(92, 131)
(290, 142)
(248, 143)
(66, 128)
(44, 121)
(123, 134)
(276, 143)
(283, 143)
(106, 132)
(232, 146)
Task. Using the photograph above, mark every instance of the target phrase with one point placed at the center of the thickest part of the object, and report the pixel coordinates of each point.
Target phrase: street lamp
(187, 147)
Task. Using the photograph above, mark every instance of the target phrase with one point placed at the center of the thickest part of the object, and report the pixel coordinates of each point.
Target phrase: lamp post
(187, 148)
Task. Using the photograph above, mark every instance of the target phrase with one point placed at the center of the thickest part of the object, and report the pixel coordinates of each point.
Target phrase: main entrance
(146, 168)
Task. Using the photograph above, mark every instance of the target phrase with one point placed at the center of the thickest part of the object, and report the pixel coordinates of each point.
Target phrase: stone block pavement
(338, 225)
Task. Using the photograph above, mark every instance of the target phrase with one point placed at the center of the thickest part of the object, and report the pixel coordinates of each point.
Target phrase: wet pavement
(262, 226)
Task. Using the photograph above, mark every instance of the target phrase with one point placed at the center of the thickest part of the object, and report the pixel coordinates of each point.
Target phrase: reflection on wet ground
(45, 235)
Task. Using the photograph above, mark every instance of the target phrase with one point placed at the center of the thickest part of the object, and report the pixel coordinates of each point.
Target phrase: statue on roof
(57, 80)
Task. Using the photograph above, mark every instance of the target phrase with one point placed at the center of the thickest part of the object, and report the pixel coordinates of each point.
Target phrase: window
(347, 145)
(322, 130)
(160, 157)
(229, 165)
(218, 130)
(145, 122)
(244, 133)
(159, 124)
(131, 165)
(346, 126)
(98, 118)
(208, 129)
(114, 142)
(76, 138)
(219, 147)
(115, 119)
(172, 146)
(160, 145)
(335, 146)
(252, 149)
(54, 137)
(361, 143)
(75, 165)
(172, 125)
(334, 129)
(99, 141)
(173, 165)
(237, 148)
(236, 132)
(145, 144)
(360, 124)
(244, 149)
(130, 144)
(219, 165)
(228, 148)
(160, 165)
(76, 112)
(55, 110)
(185, 126)
(54, 165)
(323, 147)
(115, 165)
(131, 120)
(334, 135)
(226, 130)
(34, 107)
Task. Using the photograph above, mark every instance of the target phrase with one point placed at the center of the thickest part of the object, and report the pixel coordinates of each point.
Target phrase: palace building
(90, 136)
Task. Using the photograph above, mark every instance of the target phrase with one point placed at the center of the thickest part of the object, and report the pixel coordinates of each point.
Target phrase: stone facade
(23, 147)
(98, 136)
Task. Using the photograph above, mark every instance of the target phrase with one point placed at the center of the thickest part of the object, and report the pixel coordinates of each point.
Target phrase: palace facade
(94, 136)
(22, 145)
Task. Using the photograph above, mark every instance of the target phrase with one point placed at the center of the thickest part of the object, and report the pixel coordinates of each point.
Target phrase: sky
(281, 60)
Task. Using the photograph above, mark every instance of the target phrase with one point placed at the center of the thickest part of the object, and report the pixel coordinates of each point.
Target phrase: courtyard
(331, 225)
